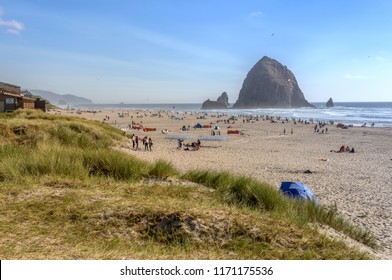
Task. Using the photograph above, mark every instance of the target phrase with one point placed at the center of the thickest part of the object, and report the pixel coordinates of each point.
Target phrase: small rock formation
(224, 99)
(329, 103)
(221, 103)
(269, 84)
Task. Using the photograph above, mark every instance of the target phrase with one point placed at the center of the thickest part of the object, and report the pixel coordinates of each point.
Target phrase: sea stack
(269, 84)
(329, 103)
(221, 103)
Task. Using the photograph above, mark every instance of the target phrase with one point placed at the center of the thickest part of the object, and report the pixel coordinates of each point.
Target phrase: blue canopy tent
(298, 190)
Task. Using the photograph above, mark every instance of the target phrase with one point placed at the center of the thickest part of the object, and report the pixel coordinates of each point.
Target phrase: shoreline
(348, 114)
(356, 184)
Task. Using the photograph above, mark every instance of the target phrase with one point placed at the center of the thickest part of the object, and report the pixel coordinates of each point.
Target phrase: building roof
(9, 85)
(10, 94)
(28, 98)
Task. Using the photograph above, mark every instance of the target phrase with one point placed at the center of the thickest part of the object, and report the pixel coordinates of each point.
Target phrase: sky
(173, 51)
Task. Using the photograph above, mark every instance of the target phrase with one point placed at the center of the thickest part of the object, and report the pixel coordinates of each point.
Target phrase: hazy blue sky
(188, 51)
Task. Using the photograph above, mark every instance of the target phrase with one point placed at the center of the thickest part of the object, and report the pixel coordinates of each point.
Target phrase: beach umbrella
(298, 190)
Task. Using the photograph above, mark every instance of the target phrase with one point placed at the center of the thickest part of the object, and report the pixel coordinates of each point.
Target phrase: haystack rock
(329, 103)
(269, 84)
(221, 103)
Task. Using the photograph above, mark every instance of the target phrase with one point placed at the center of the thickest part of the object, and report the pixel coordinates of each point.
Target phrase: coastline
(357, 185)
(350, 113)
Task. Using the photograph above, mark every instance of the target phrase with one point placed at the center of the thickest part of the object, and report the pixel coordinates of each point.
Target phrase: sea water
(349, 113)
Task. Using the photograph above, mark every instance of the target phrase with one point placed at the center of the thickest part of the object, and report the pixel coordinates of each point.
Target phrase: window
(9, 100)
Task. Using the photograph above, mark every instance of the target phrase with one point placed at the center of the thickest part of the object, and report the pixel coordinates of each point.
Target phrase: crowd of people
(195, 146)
(319, 127)
(146, 141)
(345, 149)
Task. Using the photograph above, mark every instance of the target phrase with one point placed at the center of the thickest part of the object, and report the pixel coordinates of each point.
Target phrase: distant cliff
(269, 84)
(61, 99)
(221, 103)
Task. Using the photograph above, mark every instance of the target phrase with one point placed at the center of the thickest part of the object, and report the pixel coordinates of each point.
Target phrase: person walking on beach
(149, 144)
(136, 143)
(133, 137)
(145, 143)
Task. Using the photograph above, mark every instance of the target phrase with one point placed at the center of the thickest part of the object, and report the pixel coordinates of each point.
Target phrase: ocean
(349, 113)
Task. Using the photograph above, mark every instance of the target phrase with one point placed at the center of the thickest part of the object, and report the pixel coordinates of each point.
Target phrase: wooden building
(40, 104)
(8, 88)
(28, 103)
(11, 99)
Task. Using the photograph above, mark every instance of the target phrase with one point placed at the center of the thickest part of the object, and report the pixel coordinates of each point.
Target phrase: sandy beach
(357, 184)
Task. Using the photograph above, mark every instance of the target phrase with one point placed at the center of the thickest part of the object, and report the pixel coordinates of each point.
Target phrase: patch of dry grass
(65, 219)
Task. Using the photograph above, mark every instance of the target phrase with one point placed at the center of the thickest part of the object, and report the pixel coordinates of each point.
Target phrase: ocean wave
(349, 113)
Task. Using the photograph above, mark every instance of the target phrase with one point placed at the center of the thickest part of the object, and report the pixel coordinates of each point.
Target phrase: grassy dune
(66, 194)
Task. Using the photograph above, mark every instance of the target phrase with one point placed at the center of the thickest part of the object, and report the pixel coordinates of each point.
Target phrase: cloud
(12, 26)
(256, 14)
(355, 77)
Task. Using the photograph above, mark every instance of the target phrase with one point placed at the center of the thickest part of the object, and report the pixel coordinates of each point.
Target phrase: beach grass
(246, 191)
(67, 194)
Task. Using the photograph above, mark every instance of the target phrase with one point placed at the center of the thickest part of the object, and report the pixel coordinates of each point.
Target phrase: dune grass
(249, 192)
(68, 195)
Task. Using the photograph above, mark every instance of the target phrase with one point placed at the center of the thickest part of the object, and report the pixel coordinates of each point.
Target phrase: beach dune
(357, 184)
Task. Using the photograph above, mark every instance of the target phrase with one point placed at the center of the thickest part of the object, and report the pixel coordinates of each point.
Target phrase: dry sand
(359, 185)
